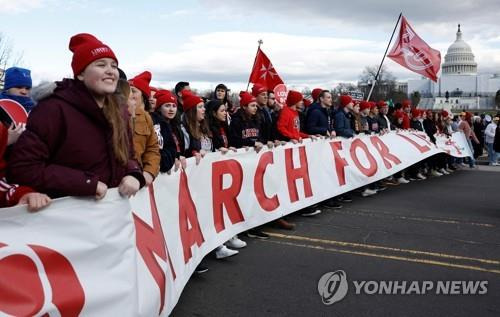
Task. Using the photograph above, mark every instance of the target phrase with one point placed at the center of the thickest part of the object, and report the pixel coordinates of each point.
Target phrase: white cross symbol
(267, 70)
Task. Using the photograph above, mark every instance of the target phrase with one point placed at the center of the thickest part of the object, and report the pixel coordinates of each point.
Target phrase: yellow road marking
(391, 257)
(445, 221)
(376, 247)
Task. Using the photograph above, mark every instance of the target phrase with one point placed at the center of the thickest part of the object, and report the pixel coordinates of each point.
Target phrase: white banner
(120, 257)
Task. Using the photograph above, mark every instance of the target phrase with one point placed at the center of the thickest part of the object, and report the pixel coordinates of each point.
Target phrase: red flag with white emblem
(263, 72)
(412, 52)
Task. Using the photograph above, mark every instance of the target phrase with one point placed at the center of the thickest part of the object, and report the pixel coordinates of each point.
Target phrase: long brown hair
(197, 130)
(113, 113)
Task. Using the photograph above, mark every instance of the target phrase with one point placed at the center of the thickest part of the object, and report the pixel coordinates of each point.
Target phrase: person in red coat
(288, 122)
(77, 141)
(406, 114)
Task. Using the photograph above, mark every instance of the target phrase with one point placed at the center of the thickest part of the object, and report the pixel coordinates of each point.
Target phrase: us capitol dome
(459, 85)
(459, 58)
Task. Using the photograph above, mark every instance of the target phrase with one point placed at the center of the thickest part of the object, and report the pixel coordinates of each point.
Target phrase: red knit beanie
(246, 98)
(189, 100)
(373, 105)
(141, 82)
(444, 114)
(87, 48)
(307, 102)
(315, 93)
(257, 89)
(164, 96)
(293, 98)
(399, 114)
(406, 103)
(364, 105)
(415, 112)
(345, 100)
(381, 104)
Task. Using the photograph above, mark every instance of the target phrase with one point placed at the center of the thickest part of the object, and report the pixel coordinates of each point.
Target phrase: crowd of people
(100, 130)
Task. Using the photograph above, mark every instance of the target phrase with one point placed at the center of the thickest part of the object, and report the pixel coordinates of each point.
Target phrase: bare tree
(385, 85)
(415, 98)
(7, 56)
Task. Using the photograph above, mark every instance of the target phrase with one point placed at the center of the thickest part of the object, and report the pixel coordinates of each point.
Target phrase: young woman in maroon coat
(77, 141)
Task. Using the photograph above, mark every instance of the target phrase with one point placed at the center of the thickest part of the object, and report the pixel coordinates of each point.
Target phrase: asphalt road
(440, 229)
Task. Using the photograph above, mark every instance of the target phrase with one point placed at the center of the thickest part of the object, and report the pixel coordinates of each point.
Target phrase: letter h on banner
(293, 173)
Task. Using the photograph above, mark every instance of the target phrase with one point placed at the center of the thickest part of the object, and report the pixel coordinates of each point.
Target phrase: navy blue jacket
(165, 141)
(343, 124)
(318, 120)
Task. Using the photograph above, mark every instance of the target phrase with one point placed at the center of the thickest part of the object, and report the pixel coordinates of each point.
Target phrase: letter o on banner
(372, 168)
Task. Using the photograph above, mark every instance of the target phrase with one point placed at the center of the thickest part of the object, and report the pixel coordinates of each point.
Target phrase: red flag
(412, 52)
(263, 72)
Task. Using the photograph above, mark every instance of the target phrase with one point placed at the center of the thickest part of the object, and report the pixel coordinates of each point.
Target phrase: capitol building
(459, 85)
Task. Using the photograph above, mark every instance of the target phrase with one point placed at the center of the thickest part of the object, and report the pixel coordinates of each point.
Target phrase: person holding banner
(52, 157)
(465, 126)
(318, 118)
(161, 126)
(260, 94)
(146, 148)
(246, 126)
(11, 195)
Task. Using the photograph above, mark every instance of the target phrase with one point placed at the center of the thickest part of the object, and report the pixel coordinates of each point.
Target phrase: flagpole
(383, 58)
(255, 61)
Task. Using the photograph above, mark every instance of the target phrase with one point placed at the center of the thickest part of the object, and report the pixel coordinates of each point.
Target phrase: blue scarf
(26, 102)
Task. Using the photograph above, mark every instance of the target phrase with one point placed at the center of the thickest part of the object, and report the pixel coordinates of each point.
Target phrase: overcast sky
(310, 43)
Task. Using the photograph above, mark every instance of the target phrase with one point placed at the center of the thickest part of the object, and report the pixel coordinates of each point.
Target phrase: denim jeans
(472, 161)
(492, 155)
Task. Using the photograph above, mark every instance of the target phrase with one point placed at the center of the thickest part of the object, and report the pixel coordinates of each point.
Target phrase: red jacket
(289, 124)
(9, 194)
(406, 121)
(67, 146)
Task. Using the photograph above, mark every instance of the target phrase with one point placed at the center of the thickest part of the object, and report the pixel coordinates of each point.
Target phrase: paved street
(440, 229)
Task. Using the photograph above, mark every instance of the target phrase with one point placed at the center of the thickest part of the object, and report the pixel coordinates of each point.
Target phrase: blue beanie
(17, 77)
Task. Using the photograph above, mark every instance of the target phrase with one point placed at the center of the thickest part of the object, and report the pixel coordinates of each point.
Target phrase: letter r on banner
(226, 197)
(384, 152)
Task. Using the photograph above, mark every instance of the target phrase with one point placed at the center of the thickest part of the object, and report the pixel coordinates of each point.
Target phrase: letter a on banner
(189, 225)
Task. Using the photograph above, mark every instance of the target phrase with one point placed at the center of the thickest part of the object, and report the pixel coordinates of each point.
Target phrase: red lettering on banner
(340, 162)
(383, 150)
(424, 137)
(452, 143)
(226, 197)
(150, 241)
(367, 171)
(22, 290)
(265, 202)
(294, 173)
(420, 148)
(188, 218)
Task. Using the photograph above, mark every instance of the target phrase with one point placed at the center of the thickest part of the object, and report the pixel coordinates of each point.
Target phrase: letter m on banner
(411, 52)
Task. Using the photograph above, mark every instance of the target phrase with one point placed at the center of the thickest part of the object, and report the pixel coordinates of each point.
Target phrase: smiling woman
(76, 141)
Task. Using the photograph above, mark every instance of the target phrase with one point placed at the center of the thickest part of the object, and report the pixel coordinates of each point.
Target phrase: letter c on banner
(265, 202)
(367, 171)
(22, 289)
